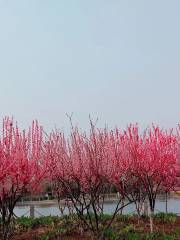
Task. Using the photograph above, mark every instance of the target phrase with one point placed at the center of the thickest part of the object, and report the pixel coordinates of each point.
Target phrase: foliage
(29, 222)
(54, 233)
(132, 236)
(105, 217)
(177, 232)
(166, 217)
(111, 234)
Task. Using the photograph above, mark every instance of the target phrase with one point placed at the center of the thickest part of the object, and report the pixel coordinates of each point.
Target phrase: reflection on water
(173, 206)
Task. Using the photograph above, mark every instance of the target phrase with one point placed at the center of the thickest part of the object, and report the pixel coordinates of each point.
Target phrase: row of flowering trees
(84, 166)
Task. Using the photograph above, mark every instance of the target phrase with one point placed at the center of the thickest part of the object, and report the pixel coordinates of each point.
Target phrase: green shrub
(105, 217)
(177, 232)
(128, 232)
(170, 218)
(133, 236)
(26, 222)
(129, 228)
(47, 236)
(111, 234)
(160, 235)
(166, 218)
(155, 235)
(168, 237)
(53, 233)
(160, 215)
(29, 222)
(45, 220)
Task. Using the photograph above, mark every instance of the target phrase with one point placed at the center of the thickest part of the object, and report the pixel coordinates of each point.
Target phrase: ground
(166, 227)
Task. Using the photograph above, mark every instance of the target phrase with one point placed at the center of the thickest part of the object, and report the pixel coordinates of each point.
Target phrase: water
(173, 206)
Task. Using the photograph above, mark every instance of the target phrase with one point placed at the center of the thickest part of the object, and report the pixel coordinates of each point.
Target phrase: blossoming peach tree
(84, 167)
(20, 168)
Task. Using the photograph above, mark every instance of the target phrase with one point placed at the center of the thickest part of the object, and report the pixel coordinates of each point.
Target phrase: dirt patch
(30, 233)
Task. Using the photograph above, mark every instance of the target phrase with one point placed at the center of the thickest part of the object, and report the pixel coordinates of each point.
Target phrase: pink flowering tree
(84, 167)
(77, 170)
(144, 164)
(57, 158)
(124, 150)
(154, 162)
(177, 188)
(20, 168)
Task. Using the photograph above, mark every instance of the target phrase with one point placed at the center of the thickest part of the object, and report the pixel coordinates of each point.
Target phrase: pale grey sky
(118, 60)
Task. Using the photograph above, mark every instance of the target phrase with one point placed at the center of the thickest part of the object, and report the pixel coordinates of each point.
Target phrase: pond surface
(44, 210)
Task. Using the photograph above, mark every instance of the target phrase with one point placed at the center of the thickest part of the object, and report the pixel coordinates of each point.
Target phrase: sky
(117, 60)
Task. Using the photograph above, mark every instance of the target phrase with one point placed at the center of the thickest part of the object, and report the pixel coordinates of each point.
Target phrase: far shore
(54, 202)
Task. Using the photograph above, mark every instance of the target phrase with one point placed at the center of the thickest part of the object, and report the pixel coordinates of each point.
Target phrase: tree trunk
(151, 215)
(166, 202)
(145, 208)
(5, 232)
